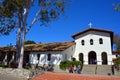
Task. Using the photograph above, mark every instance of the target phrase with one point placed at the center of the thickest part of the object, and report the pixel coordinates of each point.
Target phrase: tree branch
(33, 21)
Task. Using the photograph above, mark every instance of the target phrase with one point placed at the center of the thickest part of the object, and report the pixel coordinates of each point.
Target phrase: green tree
(30, 42)
(14, 15)
(117, 6)
(116, 41)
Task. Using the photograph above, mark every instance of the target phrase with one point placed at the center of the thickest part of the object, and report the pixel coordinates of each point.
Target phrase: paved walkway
(67, 76)
(8, 77)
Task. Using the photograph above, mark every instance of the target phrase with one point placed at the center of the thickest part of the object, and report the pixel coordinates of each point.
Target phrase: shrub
(3, 65)
(65, 64)
(77, 63)
(27, 67)
(117, 61)
(13, 64)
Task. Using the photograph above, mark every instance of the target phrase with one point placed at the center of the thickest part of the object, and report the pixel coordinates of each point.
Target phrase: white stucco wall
(68, 53)
(96, 47)
(55, 58)
(77, 48)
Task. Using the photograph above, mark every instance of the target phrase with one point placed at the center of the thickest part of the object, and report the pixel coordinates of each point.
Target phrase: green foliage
(117, 61)
(15, 15)
(30, 42)
(7, 22)
(27, 67)
(51, 9)
(117, 7)
(116, 38)
(118, 48)
(3, 65)
(65, 64)
(10, 9)
(116, 41)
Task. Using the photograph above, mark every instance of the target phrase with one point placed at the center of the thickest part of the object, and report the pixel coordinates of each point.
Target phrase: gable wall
(98, 48)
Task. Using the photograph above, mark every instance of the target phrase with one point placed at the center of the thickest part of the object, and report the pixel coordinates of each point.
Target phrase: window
(49, 57)
(100, 41)
(38, 56)
(73, 59)
(83, 42)
(91, 41)
(65, 56)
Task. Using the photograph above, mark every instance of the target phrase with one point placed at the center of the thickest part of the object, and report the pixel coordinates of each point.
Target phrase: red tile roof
(56, 46)
(93, 29)
(115, 52)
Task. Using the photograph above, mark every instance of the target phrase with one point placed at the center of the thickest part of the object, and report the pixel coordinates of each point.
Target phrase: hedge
(65, 64)
(117, 61)
(3, 65)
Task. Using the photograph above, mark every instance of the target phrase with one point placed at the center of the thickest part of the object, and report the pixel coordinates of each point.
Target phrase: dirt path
(60, 76)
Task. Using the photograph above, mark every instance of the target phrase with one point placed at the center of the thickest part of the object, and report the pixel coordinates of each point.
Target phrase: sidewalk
(8, 77)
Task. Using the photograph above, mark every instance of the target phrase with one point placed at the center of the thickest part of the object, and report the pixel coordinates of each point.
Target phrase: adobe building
(91, 46)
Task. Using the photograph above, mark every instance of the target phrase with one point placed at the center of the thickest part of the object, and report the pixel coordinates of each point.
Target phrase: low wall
(21, 73)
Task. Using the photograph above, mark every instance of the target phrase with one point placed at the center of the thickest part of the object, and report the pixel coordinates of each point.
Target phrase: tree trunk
(20, 65)
(23, 34)
(23, 20)
(18, 35)
(22, 51)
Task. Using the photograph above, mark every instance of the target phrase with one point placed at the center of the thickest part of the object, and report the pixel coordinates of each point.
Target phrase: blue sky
(76, 18)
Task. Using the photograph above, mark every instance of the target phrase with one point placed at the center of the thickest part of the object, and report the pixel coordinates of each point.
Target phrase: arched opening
(91, 41)
(83, 42)
(104, 58)
(92, 58)
(81, 57)
(100, 41)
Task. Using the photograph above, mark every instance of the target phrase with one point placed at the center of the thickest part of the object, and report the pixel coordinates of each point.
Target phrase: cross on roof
(90, 24)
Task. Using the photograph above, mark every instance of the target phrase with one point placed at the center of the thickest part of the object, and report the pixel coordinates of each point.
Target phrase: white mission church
(91, 46)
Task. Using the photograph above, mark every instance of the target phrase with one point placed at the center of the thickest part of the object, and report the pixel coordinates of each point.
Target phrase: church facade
(91, 46)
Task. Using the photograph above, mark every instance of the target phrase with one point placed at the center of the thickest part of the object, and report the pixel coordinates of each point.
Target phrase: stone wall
(21, 73)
